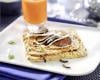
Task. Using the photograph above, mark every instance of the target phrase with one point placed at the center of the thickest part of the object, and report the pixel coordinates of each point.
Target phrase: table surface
(5, 20)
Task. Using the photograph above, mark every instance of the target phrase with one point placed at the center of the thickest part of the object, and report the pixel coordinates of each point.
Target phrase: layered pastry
(48, 45)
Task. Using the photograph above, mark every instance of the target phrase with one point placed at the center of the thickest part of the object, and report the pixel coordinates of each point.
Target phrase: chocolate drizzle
(44, 59)
(42, 30)
(47, 40)
(68, 67)
(63, 61)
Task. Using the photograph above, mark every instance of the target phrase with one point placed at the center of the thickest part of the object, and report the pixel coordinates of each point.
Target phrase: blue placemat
(11, 71)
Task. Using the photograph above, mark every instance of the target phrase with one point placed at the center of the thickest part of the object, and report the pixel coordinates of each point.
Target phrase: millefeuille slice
(47, 47)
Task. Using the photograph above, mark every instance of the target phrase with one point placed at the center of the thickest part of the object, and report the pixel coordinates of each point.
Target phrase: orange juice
(34, 11)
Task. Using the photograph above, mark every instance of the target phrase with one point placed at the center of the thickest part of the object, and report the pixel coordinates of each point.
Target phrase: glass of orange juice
(34, 11)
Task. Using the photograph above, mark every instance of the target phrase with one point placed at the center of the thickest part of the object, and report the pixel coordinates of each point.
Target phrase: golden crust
(81, 52)
(34, 52)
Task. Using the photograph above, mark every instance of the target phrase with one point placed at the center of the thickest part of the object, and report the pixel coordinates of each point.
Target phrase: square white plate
(81, 66)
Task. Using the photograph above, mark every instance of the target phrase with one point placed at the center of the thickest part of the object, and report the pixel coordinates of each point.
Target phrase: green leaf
(12, 42)
(41, 49)
(11, 56)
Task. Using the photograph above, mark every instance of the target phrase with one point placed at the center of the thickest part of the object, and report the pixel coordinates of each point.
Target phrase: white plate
(81, 66)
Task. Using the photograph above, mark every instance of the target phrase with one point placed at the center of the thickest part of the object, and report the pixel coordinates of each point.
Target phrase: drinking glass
(34, 13)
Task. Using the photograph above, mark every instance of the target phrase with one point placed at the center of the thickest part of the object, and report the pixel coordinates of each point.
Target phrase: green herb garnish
(42, 49)
(12, 42)
(11, 56)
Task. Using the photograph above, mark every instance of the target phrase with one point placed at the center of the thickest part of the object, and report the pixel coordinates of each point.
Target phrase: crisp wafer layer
(39, 52)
